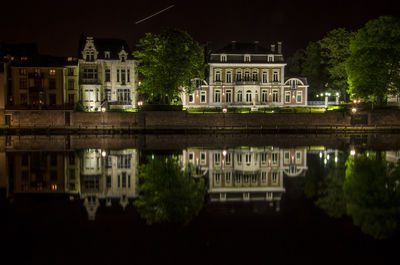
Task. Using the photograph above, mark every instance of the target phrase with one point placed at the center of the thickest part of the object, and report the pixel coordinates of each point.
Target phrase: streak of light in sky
(155, 14)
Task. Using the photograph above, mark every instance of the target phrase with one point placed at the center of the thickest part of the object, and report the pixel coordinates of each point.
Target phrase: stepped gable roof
(244, 48)
(114, 46)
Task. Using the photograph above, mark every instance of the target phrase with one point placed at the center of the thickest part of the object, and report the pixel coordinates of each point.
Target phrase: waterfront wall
(181, 119)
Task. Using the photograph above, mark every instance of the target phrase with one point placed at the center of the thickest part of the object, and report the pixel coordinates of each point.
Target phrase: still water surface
(118, 201)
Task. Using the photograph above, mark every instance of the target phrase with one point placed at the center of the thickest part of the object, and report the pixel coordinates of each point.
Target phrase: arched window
(239, 96)
(248, 96)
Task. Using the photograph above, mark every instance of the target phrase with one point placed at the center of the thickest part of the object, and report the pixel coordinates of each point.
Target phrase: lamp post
(337, 98)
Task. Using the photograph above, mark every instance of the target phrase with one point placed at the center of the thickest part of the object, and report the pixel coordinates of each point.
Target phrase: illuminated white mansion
(107, 74)
(248, 75)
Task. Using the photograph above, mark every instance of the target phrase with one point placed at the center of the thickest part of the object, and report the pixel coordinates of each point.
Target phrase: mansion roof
(103, 45)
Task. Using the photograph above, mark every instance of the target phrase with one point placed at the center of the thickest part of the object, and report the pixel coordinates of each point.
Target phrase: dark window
(71, 84)
(24, 160)
(23, 83)
(108, 181)
(70, 71)
(71, 99)
(52, 83)
(53, 160)
(72, 159)
(53, 99)
(123, 179)
(123, 76)
(72, 174)
(53, 175)
(129, 75)
(23, 99)
(108, 75)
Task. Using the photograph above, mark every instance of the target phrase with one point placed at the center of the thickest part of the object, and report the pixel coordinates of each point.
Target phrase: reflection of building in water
(247, 174)
(107, 176)
(35, 172)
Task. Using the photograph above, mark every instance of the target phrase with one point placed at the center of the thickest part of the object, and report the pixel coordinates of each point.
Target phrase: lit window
(52, 71)
(287, 97)
(275, 97)
(218, 76)
(239, 76)
(255, 76)
(229, 77)
(239, 96)
(217, 96)
(228, 96)
(299, 97)
(265, 77)
(276, 76)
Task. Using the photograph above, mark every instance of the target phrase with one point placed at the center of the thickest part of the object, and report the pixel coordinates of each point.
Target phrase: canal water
(210, 199)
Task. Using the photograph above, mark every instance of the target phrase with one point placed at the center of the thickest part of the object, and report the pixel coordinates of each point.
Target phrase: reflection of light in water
(352, 152)
(320, 155)
(325, 161)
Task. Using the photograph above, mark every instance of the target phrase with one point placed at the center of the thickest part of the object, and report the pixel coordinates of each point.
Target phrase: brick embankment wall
(184, 120)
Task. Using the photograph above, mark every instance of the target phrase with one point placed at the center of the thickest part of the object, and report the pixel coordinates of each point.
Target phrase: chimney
(272, 47)
(233, 44)
(279, 47)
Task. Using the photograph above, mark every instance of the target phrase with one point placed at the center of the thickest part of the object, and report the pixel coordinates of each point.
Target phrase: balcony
(90, 81)
(249, 83)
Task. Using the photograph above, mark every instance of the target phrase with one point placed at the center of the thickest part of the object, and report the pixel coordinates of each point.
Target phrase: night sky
(56, 25)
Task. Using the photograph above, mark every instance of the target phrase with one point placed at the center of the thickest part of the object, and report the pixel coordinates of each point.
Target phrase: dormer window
(247, 58)
(223, 58)
(107, 55)
(270, 58)
(90, 56)
(123, 58)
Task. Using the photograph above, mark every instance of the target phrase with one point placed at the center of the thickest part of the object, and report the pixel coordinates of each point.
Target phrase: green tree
(294, 64)
(167, 193)
(315, 70)
(168, 61)
(372, 194)
(374, 64)
(335, 49)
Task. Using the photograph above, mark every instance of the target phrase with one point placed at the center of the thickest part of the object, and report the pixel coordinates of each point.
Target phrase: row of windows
(123, 75)
(23, 99)
(124, 181)
(298, 96)
(247, 158)
(38, 83)
(246, 58)
(24, 71)
(248, 96)
(247, 76)
(254, 178)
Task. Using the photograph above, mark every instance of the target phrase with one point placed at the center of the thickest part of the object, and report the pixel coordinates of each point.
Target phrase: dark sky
(56, 25)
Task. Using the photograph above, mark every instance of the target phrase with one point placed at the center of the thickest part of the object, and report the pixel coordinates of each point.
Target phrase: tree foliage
(324, 183)
(372, 193)
(374, 64)
(314, 69)
(335, 49)
(167, 193)
(168, 61)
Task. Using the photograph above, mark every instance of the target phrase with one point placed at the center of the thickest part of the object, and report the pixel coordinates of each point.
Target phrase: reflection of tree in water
(365, 187)
(325, 184)
(167, 193)
(371, 190)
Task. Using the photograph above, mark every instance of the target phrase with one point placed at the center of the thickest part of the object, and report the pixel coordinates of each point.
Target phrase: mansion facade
(248, 75)
(107, 73)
